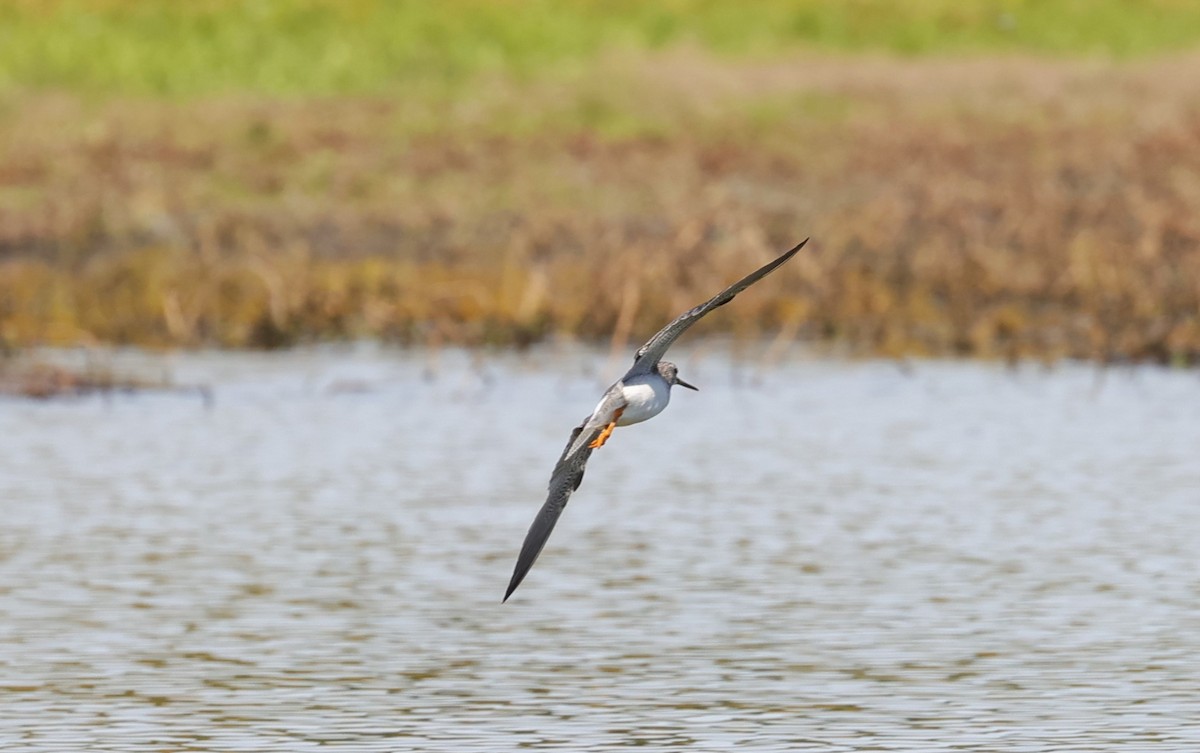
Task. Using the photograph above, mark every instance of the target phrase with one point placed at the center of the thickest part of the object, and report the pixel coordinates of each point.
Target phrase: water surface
(814, 555)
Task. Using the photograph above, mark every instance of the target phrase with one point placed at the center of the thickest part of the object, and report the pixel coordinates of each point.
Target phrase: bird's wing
(653, 351)
(564, 480)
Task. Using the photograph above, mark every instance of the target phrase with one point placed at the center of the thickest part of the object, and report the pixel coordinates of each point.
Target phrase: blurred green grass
(1003, 178)
(329, 47)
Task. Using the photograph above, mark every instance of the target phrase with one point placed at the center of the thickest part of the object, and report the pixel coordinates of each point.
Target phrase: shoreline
(1011, 208)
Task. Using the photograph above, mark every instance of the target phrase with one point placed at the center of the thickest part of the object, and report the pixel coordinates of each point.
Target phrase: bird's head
(668, 371)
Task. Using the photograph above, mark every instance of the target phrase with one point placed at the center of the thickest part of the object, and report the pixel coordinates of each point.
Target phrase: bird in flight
(641, 394)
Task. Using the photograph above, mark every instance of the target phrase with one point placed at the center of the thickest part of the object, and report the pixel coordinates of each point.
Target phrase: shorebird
(639, 395)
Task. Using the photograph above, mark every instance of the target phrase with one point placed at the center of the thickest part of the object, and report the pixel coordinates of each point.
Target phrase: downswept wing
(564, 480)
(653, 351)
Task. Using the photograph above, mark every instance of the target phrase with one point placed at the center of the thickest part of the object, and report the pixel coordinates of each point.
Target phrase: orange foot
(608, 430)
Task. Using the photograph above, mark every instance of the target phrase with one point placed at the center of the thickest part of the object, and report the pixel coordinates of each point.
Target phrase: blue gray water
(811, 555)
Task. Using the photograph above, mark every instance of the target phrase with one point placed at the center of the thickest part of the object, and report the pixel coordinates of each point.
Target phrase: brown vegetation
(40, 379)
(995, 208)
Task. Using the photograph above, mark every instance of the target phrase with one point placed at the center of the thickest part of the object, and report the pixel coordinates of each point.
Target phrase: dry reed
(1003, 209)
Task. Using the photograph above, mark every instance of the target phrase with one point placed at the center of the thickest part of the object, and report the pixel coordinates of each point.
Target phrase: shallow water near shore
(809, 555)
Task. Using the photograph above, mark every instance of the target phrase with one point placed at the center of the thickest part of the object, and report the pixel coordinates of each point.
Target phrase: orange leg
(608, 430)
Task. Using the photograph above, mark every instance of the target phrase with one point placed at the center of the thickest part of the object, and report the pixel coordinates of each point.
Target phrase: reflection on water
(815, 556)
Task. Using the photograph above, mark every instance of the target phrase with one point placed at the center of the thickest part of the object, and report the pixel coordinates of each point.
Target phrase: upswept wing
(653, 351)
(564, 480)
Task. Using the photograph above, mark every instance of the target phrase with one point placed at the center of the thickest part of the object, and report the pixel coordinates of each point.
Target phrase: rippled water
(810, 556)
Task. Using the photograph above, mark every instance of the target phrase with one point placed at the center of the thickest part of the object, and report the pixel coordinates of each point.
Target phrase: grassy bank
(188, 174)
(995, 208)
(306, 47)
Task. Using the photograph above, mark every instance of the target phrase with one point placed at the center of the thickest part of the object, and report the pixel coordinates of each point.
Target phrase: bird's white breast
(645, 397)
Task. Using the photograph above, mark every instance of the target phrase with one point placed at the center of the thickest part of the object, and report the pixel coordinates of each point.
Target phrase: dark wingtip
(517, 577)
(786, 255)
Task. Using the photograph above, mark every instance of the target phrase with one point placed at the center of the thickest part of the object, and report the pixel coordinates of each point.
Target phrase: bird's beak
(682, 383)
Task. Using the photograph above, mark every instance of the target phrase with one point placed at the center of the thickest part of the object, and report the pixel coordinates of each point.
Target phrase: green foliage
(302, 47)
